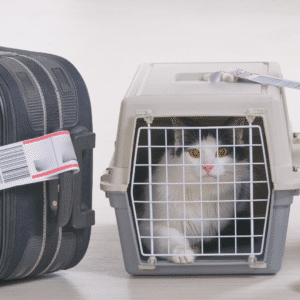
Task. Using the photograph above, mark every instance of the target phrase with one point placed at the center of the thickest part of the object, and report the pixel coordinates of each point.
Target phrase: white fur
(179, 244)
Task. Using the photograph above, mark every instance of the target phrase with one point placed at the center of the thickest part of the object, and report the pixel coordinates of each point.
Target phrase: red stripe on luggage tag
(46, 137)
(55, 170)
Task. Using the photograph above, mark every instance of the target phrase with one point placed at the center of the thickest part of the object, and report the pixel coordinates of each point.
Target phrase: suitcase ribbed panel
(66, 252)
(29, 257)
(8, 233)
(15, 127)
(29, 90)
(46, 89)
(69, 98)
(44, 264)
(26, 84)
(66, 90)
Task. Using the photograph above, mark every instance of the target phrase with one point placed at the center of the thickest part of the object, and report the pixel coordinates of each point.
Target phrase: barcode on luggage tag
(38, 159)
(13, 164)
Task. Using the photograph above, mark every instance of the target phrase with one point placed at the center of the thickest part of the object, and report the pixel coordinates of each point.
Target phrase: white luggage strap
(37, 159)
(262, 79)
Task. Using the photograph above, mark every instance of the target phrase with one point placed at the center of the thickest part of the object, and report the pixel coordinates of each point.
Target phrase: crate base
(271, 258)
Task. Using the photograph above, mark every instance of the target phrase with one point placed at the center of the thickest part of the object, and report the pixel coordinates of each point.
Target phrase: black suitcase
(45, 226)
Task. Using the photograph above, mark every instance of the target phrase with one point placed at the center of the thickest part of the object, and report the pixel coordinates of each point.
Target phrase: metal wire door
(237, 225)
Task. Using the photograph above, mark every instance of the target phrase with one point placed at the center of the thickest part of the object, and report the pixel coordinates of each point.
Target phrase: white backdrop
(107, 40)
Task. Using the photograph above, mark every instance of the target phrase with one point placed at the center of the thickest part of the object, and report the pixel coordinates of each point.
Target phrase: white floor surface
(101, 275)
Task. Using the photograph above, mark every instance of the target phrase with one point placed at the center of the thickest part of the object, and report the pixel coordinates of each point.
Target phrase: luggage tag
(38, 159)
(262, 79)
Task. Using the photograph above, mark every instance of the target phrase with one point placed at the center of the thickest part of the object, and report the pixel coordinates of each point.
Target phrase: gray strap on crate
(262, 79)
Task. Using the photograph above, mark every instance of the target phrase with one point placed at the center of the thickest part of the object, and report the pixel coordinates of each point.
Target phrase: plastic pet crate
(203, 174)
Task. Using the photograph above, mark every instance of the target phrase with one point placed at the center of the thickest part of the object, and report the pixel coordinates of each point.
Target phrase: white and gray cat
(214, 169)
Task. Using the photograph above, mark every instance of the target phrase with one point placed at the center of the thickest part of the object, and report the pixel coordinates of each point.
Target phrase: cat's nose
(207, 168)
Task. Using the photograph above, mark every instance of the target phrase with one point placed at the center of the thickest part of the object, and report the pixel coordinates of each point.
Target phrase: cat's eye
(195, 153)
(222, 152)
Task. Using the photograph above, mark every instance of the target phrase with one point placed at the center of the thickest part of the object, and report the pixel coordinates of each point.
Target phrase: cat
(213, 169)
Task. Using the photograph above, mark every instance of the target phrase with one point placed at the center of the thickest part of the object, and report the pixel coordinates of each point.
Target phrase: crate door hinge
(151, 264)
(252, 113)
(146, 115)
(254, 264)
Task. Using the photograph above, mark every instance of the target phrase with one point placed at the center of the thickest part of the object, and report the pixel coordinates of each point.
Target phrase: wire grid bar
(183, 146)
(199, 201)
(249, 242)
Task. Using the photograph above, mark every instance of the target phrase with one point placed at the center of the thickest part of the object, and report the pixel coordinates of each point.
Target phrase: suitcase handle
(70, 195)
(65, 198)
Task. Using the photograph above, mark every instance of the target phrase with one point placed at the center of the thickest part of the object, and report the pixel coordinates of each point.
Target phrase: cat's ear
(239, 132)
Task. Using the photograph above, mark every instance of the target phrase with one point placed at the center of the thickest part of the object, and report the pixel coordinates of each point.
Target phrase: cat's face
(216, 158)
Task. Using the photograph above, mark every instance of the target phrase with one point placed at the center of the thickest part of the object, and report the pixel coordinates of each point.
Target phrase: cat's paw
(181, 257)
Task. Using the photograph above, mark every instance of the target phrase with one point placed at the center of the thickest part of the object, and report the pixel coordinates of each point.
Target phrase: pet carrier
(203, 175)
